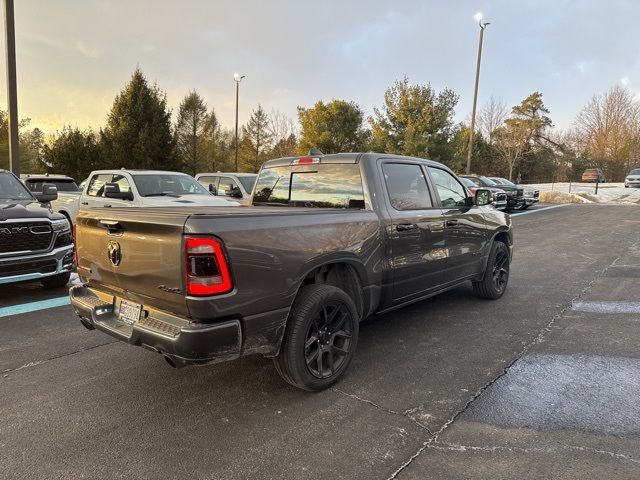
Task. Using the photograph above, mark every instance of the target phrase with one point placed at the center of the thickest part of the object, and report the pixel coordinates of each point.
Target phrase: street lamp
(479, 18)
(12, 93)
(237, 78)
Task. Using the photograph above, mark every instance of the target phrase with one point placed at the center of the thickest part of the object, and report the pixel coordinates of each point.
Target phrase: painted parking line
(34, 306)
(527, 212)
(606, 307)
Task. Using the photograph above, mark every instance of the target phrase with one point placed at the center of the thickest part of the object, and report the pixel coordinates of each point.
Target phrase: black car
(515, 194)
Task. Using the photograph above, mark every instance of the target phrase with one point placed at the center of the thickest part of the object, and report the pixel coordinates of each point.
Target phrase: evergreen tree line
(414, 119)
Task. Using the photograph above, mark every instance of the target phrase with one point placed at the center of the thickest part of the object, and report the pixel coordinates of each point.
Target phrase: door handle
(452, 222)
(107, 205)
(405, 227)
(84, 203)
(113, 226)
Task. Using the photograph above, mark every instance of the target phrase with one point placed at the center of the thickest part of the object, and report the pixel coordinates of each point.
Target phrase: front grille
(19, 237)
(25, 268)
(519, 192)
(501, 197)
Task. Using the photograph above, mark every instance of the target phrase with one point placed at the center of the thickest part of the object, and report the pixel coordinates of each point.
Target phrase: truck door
(465, 227)
(416, 230)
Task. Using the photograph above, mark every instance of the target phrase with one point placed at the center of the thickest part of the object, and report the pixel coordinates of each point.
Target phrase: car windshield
(467, 183)
(248, 181)
(503, 181)
(167, 184)
(12, 189)
(635, 171)
(487, 181)
(35, 185)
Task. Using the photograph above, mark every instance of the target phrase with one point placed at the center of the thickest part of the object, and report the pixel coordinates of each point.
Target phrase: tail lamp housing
(206, 269)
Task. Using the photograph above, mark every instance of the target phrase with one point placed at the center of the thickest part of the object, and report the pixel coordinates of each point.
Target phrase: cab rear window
(317, 185)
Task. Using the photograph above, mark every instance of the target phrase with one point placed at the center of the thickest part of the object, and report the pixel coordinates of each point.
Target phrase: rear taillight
(206, 269)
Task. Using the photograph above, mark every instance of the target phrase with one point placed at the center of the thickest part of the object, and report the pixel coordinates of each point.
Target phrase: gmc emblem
(14, 230)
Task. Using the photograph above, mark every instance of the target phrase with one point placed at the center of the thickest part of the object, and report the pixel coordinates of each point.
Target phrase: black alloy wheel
(501, 270)
(328, 341)
(496, 276)
(320, 338)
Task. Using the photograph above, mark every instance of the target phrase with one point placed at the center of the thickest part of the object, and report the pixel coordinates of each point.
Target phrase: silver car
(633, 179)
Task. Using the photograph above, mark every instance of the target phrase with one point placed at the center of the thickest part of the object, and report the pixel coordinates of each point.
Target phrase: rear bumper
(36, 267)
(180, 340)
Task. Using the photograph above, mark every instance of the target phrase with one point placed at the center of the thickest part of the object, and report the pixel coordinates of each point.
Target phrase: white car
(233, 186)
(137, 188)
(633, 179)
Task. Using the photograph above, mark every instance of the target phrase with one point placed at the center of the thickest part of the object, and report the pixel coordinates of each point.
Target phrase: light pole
(237, 78)
(479, 17)
(12, 90)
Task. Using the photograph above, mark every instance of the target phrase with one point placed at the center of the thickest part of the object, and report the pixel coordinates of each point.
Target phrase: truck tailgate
(134, 253)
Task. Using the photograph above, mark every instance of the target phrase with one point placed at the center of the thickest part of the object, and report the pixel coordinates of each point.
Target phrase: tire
(496, 275)
(57, 281)
(323, 325)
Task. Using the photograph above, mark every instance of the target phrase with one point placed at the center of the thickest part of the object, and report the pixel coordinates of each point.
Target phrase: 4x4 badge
(114, 253)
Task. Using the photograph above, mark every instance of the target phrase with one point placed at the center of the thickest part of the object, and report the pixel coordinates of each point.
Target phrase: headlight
(61, 225)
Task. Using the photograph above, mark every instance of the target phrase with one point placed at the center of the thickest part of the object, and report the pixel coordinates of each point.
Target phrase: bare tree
(283, 132)
(510, 143)
(608, 130)
(491, 116)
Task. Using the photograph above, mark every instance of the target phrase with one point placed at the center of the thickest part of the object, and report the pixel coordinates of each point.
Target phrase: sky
(74, 56)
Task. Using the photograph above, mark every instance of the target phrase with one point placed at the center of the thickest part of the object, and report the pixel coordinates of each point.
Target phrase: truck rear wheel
(320, 339)
(57, 281)
(496, 275)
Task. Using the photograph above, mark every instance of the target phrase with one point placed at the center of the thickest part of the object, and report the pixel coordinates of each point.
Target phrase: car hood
(20, 209)
(194, 200)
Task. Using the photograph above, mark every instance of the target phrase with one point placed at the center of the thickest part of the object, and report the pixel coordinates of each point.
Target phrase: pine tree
(138, 132)
(190, 133)
(334, 127)
(256, 140)
(415, 120)
(73, 152)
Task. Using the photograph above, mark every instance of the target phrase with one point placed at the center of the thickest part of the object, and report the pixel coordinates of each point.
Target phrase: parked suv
(233, 186)
(35, 243)
(329, 241)
(531, 194)
(633, 179)
(515, 194)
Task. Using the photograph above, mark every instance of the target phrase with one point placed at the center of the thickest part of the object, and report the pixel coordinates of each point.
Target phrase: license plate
(129, 312)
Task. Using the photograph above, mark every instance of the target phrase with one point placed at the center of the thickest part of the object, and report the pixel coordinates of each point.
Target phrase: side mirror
(483, 197)
(112, 190)
(235, 193)
(49, 193)
(212, 189)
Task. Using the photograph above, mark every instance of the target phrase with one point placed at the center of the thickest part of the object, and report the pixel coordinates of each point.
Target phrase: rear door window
(406, 186)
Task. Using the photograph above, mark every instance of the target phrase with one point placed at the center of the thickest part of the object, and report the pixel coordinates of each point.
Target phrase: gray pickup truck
(35, 243)
(328, 241)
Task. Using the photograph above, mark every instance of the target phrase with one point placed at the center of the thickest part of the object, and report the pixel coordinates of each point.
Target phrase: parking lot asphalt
(542, 383)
